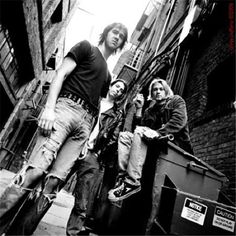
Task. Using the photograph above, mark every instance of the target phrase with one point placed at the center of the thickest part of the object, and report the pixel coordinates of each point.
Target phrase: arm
(108, 135)
(47, 118)
(177, 118)
(114, 137)
(138, 102)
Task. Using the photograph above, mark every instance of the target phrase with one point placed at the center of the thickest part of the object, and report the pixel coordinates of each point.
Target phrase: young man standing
(102, 144)
(68, 117)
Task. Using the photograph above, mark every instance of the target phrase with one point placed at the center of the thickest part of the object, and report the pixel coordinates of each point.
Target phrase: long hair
(125, 87)
(120, 102)
(168, 91)
(110, 27)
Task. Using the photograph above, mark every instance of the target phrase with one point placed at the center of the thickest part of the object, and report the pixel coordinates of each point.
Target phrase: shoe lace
(120, 189)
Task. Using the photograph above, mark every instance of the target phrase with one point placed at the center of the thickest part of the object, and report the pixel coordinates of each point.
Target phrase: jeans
(53, 156)
(86, 177)
(132, 152)
(72, 129)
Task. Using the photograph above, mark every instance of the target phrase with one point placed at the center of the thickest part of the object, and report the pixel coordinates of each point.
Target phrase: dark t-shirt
(91, 78)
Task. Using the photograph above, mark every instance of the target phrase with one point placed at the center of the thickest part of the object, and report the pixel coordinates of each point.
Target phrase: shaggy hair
(110, 27)
(125, 86)
(168, 91)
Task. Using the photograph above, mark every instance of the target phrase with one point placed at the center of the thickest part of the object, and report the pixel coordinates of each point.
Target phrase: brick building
(210, 93)
(32, 35)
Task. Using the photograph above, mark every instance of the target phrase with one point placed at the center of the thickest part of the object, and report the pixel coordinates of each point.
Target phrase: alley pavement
(55, 220)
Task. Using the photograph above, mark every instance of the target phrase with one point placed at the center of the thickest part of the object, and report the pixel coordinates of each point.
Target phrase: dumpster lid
(197, 160)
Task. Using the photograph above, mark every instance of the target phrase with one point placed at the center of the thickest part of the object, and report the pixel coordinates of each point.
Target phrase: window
(8, 63)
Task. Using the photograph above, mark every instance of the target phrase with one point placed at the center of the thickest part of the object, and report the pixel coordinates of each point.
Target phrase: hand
(140, 130)
(46, 121)
(139, 101)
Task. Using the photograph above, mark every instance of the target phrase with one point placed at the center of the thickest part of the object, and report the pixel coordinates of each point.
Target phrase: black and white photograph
(117, 117)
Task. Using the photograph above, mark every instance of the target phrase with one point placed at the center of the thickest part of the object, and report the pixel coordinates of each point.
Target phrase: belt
(79, 101)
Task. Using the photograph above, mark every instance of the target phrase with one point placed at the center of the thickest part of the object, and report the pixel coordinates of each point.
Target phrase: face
(116, 90)
(115, 38)
(158, 92)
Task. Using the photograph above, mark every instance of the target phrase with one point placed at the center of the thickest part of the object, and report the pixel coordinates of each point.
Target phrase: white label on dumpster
(224, 219)
(194, 211)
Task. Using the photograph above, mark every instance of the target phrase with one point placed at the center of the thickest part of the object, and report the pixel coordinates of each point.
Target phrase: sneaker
(123, 191)
(84, 231)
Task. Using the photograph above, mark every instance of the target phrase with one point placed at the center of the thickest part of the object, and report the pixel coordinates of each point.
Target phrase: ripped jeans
(72, 128)
(53, 156)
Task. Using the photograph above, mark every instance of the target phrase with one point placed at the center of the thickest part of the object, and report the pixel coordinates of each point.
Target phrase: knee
(51, 184)
(125, 135)
(138, 133)
(30, 176)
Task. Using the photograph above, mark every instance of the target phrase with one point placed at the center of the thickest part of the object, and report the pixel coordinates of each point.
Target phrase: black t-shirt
(91, 78)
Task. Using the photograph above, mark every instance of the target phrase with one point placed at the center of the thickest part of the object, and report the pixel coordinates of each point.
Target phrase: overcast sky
(89, 21)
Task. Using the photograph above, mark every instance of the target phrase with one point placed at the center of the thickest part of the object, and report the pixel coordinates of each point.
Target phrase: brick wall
(214, 142)
(212, 131)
